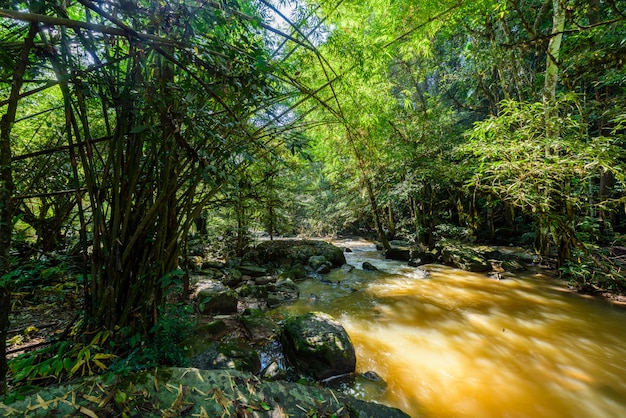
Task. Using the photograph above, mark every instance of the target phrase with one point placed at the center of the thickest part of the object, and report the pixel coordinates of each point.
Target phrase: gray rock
(264, 280)
(318, 345)
(212, 297)
(252, 270)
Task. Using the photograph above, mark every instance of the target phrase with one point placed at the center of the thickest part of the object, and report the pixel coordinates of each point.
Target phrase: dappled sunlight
(461, 344)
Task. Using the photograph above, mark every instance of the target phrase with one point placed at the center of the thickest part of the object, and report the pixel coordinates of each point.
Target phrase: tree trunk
(377, 222)
(7, 188)
(554, 48)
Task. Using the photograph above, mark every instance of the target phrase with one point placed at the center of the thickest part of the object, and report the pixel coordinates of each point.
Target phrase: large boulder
(318, 345)
(175, 392)
(212, 297)
(398, 253)
(287, 253)
(463, 257)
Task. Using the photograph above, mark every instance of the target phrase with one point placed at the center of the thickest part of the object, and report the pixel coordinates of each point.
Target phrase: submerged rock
(369, 266)
(316, 344)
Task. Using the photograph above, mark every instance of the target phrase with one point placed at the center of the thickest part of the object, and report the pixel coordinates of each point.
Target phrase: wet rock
(347, 268)
(212, 297)
(369, 266)
(318, 345)
(373, 376)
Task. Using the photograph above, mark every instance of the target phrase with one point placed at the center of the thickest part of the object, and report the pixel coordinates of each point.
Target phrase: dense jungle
(147, 146)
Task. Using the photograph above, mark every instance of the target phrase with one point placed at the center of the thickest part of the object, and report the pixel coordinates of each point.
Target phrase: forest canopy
(131, 131)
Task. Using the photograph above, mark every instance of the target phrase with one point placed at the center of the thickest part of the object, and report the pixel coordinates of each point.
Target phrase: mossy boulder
(463, 257)
(212, 297)
(318, 345)
(287, 253)
(175, 392)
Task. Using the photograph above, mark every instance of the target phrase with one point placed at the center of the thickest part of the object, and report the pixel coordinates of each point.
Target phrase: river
(458, 344)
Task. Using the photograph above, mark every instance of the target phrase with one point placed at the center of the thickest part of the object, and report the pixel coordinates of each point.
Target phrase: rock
(210, 264)
(258, 327)
(513, 266)
(291, 252)
(215, 298)
(273, 372)
(264, 280)
(295, 272)
(211, 273)
(252, 270)
(420, 256)
(399, 254)
(232, 278)
(373, 376)
(253, 291)
(228, 356)
(347, 268)
(369, 266)
(196, 394)
(315, 261)
(323, 269)
(464, 257)
(283, 291)
(347, 250)
(316, 344)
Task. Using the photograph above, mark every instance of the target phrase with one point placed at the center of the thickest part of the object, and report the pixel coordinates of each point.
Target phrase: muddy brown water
(458, 344)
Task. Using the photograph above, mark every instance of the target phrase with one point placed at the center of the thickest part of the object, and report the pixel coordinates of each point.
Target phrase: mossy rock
(192, 392)
(316, 344)
(463, 257)
(293, 252)
(212, 297)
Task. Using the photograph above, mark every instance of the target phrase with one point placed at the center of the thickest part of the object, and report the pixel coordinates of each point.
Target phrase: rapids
(458, 344)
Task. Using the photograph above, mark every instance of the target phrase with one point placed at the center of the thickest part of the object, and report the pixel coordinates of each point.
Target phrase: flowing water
(458, 344)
